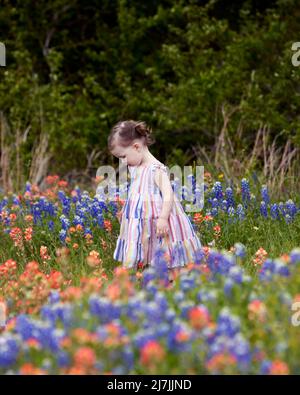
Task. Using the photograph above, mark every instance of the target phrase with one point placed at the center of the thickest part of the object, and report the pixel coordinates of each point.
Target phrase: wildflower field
(66, 307)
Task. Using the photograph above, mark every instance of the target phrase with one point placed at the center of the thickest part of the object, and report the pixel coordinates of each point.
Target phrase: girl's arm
(162, 181)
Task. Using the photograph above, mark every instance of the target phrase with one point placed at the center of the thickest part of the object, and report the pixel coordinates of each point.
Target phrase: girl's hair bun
(127, 131)
(142, 129)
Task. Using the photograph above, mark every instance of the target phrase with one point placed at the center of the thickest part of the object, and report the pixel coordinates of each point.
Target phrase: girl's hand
(162, 227)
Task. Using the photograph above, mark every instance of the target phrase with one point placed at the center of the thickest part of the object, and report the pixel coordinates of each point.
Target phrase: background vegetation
(214, 79)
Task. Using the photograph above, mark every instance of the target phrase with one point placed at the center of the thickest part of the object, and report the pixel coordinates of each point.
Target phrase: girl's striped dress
(137, 241)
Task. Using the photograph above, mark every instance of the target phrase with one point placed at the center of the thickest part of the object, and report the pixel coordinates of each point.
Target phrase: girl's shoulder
(159, 164)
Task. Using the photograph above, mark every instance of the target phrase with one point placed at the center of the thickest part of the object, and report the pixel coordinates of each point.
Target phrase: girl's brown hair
(127, 131)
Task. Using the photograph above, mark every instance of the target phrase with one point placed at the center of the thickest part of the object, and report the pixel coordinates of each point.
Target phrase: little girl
(152, 216)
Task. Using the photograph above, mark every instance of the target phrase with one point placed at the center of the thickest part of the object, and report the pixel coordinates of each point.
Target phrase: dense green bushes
(190, 70)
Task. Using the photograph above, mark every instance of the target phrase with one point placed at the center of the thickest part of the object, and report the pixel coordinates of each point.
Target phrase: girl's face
(132, 155)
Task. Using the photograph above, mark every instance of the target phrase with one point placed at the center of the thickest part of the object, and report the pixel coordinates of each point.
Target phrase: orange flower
(83, 336)
(138, 275)
(93, 259)
(182, 336)
(285, 258)
(75, 246)
(296, 298)
(44, 253)
(76, 371)
(85, 357)
(33, 343)
(260, 256)
(198, 218)
(279, 367)
(62, 184)
(71, 293)
(206, 250)
(55, 279)
(107, 225)
(79, 227)
(65, 342)
(50, 180)
(121, 271)
(257, 310)
(12, 217)
(28, 233)
(207, 176)
(29, 369)
(32, 267)
(17, 237)
(63, 251)
(217, 230)
(103, 244)
(152, 353)
(220, 361)
(199, 317)
(113, 291)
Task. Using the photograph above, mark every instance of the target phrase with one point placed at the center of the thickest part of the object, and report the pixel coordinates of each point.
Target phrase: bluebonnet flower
(104, 309)
(229, 197)
(240, 348)
(173, 344)
(63, 358)
(62, 235)
(265, 194)
(170, 314)
(53, 297)
(215, 203)
(16, 200)
(231, 214)
(239, 250)
(240, 212)
(214, 212)
(160, 265)
(236, 273)
(50, 225)
(228, 285)
(178, 296)
(128, 357)
(245, 188)
(224, 205)
(295, 256)
(9, 350)
(274, 211)
(24, 326)
(207, 296)
(187, 283)
(227, 324)
(28, 186)
(217, 190)
(65, 222)
(265, 367)
(78, 220)
(291, 208)
(263, 209)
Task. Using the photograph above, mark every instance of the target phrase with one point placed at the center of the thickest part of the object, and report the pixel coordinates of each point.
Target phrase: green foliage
(74, 69)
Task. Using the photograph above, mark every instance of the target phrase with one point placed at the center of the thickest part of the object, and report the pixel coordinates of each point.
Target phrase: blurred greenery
(75, 68)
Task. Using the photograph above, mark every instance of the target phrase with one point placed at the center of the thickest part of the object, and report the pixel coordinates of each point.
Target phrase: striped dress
(137, 241)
